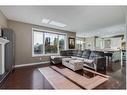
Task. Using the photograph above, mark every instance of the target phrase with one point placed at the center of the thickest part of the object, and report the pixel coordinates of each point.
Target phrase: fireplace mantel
(2, 54)
(3, 41)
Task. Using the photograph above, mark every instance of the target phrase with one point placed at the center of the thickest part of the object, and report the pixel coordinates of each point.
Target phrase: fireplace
(2, 54)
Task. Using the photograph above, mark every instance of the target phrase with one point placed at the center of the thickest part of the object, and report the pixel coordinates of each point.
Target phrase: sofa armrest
(101, 63)
(56, 59)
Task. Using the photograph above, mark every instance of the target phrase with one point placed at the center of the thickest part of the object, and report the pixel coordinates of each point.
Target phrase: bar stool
(109, 55)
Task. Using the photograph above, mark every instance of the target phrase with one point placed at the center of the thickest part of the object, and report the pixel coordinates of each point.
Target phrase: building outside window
(62, 39)
(51, 43)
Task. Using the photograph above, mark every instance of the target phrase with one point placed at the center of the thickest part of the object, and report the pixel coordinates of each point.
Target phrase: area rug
(87, 83)
(57, 80)
(67, 79)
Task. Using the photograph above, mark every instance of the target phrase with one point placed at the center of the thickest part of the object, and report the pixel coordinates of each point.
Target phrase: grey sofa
(92, 59)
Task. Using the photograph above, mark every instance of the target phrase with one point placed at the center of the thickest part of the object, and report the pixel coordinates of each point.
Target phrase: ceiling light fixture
(45, 21)
(57, 24)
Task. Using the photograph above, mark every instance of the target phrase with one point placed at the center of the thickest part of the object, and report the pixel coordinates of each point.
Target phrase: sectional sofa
(92, 59)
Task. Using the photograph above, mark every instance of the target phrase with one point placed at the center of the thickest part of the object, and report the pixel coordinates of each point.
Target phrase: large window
(48, 42)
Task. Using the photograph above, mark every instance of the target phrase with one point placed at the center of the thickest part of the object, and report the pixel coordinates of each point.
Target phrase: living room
(42, 41)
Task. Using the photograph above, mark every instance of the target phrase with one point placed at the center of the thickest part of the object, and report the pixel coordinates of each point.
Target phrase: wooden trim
(3, 80)
(31, 64)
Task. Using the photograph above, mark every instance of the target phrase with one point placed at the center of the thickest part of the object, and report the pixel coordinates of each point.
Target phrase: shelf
(3, 41)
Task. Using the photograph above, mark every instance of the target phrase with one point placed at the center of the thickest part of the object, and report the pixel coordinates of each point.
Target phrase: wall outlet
(40, 58)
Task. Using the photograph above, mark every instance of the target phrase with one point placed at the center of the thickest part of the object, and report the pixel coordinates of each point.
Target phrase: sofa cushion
(78, 58)
(74, 57)
(92, 55)
(86, 54)
(74, 53)
(69, 52)
(88, 61)
(63, 53)
(79, 54)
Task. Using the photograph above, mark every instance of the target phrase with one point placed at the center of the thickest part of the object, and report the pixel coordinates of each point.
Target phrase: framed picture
(71, 42)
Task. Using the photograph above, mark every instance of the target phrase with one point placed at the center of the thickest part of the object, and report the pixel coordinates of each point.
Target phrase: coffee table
(91, 73)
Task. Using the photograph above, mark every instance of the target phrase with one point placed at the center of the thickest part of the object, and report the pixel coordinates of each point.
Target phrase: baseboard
(31, 64)
(3, 80)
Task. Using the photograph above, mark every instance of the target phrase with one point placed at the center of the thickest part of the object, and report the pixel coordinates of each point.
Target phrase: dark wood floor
(31, 78)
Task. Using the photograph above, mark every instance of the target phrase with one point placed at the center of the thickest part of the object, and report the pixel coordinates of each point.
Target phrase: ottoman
(73, 64)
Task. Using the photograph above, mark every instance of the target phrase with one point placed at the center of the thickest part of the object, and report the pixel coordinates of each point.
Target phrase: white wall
(115, 43)
(90, 43)
(80, 43)
(98, 43)
(3, 20)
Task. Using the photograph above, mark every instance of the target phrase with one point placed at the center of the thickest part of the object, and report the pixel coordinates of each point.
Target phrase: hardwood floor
(26, 78)
(118, 76)
(31, 78)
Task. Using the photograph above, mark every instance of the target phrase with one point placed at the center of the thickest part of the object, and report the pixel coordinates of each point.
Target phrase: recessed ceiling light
(45, 21)
(57, 24)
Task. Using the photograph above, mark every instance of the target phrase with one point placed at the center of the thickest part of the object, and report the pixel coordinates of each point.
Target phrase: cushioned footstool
(73, 64)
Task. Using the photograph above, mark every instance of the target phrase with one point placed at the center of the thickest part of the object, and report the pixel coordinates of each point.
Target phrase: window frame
(47, 31)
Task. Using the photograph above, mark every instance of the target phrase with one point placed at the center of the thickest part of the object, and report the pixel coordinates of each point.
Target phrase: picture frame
(71, 43)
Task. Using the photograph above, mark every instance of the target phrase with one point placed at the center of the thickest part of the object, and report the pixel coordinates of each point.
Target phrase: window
(98, 43)
(38, 42)
(45, 43)
(51, 41)
(62, 42)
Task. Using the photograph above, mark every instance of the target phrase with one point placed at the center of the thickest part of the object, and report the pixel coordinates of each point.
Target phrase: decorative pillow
(86, 54)
(79, 54)
(92, 55)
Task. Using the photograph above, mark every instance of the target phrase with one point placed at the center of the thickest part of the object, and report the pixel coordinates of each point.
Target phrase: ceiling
(84, 20)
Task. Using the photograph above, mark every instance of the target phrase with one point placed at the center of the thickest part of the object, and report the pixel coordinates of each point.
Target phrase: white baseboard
(30, 64)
